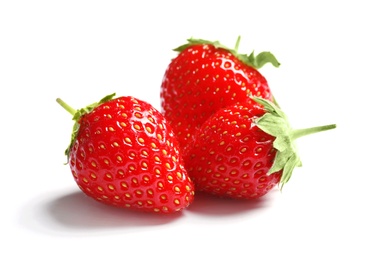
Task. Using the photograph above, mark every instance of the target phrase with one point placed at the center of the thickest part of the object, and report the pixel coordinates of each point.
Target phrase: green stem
(306, 131)
(237, 44)
(68, 108)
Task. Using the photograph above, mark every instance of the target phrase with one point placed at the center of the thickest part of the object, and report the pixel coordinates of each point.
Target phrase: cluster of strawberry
(220, 131)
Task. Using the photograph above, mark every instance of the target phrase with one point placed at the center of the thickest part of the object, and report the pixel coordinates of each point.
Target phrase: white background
(82, 50)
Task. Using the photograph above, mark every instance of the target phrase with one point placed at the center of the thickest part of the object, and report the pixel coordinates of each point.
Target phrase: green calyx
(252, 60)
(275, 123)
(77, 114)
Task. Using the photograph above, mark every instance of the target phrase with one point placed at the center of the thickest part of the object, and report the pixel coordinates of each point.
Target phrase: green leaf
(260, 60)
(275, 123)
(293, 161)
(269, 106)
(268, 120)
(266, 57)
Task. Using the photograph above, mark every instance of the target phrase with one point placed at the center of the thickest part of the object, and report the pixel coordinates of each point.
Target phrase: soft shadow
(75, 211)
(206, 204)
(78, 210)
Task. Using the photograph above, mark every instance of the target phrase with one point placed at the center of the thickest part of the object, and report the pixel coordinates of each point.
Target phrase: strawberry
(206, 76)
(244, 150)
(123, 153)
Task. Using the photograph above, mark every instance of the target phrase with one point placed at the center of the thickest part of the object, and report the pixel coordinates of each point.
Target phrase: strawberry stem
(237, 44)
(307, 131)
(274, 122)
(68, 108)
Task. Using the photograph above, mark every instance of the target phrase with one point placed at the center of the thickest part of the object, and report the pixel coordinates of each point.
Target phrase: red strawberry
(123, 153)
(207, 76)
(244, 150)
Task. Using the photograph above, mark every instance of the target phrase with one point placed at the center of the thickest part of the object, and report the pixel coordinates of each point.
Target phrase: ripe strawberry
(244, 150)
(123, 153)
(207, 76)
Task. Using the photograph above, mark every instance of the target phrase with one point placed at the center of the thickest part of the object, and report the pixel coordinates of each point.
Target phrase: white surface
(83, 50)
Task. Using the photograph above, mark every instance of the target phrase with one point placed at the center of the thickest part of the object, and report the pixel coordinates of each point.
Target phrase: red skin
(201, 80)
(231, 156)
(126, 155)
